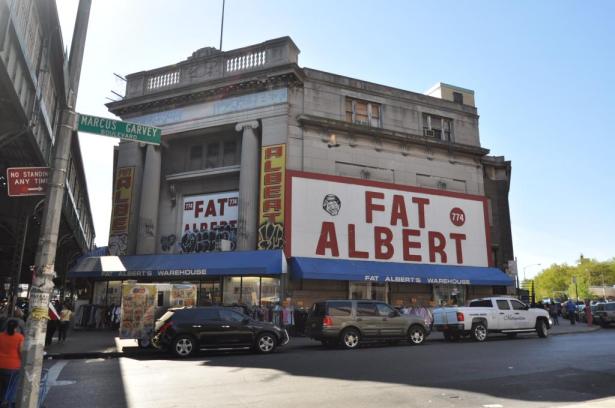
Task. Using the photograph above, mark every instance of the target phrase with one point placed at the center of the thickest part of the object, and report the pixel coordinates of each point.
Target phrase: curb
(589, 330)
(99, 354)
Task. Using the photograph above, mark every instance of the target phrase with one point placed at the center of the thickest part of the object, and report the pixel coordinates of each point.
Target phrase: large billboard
(344, 218)
(209, 222)
(271, 208)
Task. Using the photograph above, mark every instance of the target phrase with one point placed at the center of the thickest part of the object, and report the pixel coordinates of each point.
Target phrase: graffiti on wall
(271, 209)
(208, 240)
(167, 242)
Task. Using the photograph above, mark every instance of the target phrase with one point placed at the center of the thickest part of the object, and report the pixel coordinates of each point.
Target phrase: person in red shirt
(10, 355)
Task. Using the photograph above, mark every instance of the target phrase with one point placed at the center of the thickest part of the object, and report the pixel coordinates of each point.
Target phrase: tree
(588, 272)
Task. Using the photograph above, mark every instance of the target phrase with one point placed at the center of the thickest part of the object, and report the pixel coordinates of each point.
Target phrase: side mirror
(245, 320)
(394, 313)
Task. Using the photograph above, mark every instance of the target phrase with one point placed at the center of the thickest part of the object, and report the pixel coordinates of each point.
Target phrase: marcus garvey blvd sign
(119, 129)
(27, 181)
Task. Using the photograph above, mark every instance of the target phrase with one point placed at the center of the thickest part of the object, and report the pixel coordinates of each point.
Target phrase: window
(213, 152)
(196, 157)
(458, 97)
(609, 306)
(339, 308)
(503, 305)
(366, 309)
(229, 153)
(199, 315)
(481, 303)
(516, 305)
(437, 127)
(231, 316)
(363, 112)
(384, 310)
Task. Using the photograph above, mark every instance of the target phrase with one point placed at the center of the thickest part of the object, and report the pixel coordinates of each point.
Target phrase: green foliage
(556, 280)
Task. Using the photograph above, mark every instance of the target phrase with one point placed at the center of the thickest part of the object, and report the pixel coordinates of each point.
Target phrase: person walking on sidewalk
(52, 323)
(10, 355)
(65, 316)
(553, 313)
(571, 308)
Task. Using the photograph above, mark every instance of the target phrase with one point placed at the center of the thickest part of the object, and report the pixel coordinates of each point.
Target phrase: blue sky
(542, 73)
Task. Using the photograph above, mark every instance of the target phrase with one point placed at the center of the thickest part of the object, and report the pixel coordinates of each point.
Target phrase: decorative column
(150, 196)
(248, 187)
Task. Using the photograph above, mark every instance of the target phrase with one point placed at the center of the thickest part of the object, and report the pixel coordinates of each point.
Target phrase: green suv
(352, 322)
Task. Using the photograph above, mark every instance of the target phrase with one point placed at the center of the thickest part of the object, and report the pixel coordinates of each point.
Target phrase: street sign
(27, 181)
(119, 129)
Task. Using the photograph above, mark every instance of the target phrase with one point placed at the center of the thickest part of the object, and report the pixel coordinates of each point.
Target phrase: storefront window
(449, 295)
(232, 290)
(209, 293)
(250, 292)
(368, 290)
(270, 291)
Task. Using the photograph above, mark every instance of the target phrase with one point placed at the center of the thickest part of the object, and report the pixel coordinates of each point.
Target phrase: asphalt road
(564, 370)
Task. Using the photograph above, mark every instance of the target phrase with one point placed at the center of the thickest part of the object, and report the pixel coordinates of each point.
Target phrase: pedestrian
(10, 355)
(553, 313)
(52, 324)
(65, 317)
(571, 308)
(588, 313)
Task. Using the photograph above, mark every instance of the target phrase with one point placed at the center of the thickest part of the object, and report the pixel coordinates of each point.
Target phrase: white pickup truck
(491, 315)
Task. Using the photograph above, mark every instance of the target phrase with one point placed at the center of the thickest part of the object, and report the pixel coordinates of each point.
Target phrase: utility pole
(222, 24)
(42, 282)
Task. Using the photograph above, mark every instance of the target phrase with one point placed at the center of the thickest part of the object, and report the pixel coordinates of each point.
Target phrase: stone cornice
(401, 137)
(287, 75)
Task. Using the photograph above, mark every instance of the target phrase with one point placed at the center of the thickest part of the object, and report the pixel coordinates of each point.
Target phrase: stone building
(260, 154)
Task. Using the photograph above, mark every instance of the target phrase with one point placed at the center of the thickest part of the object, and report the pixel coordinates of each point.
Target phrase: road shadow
(105, 389)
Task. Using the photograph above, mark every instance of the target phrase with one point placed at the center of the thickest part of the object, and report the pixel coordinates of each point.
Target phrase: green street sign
(119, 129)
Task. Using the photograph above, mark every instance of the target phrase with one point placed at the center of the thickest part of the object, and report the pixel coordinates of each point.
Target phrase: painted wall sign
(27, 181)
(120, 214)
(209, 222)
(271, 208)
(344, 218)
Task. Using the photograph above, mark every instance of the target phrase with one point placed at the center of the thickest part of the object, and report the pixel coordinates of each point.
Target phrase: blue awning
(338, 269)
(182, 266)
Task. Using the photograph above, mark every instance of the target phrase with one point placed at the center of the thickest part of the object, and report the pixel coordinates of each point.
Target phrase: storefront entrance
(251, 290)
(369, 290)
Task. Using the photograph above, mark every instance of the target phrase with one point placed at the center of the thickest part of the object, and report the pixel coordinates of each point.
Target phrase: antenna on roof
(222, 24)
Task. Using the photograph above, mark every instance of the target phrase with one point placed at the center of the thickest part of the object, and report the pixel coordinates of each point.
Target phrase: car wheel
(265, 343)
(416, 335)
(511, 335)
(184, 346)
(350, 338)
(479, 332)
(541, 329)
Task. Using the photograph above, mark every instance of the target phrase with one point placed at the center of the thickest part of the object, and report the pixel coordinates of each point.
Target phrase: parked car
(491, 315)
(184, 331)
(605, 313)
(352, 322)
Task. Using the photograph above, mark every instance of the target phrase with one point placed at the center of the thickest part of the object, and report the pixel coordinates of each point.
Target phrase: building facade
(361, 190)
(32, 95)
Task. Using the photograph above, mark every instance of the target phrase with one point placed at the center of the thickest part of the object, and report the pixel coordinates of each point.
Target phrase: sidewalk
(93, 344)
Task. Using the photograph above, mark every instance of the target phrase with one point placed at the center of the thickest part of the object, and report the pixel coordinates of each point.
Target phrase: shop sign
(209, 222)
(271, 208)
(120, 213)
(344, 218)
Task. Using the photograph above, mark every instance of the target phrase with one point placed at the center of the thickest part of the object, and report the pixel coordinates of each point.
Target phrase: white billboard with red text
(343, 218)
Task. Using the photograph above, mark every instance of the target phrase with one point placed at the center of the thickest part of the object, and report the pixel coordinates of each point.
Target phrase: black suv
(184, 331)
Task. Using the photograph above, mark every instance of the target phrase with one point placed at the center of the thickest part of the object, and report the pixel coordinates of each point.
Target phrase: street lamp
(525, 267)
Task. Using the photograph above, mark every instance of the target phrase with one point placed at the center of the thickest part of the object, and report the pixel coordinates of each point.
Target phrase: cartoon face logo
(331, 204)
